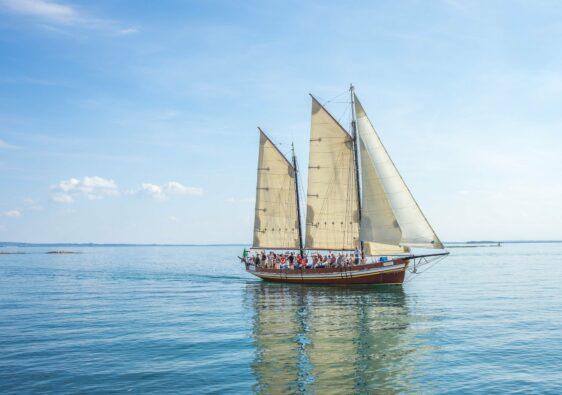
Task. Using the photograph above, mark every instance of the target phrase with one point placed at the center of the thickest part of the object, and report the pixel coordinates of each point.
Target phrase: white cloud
(172, 188)
(153, 190)
(32, 204)
(5, 145)
(42, 8)
(173, 218)
(92, 188)
(59, 13)
(12, 213)
(175, 188)
(62, 198)
(128, 30)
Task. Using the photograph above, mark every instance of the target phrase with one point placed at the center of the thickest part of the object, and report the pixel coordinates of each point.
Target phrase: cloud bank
(95, 188)
(91, 188)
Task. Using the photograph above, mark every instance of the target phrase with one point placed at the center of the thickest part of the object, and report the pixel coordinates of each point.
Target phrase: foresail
(378, 222)
(410, 221)
(332, 207)
(276, 224)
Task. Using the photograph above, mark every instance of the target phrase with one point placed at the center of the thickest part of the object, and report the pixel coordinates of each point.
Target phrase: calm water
(190, 320)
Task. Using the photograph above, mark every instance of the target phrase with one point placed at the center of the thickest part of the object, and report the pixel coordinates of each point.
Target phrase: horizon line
(23, 243)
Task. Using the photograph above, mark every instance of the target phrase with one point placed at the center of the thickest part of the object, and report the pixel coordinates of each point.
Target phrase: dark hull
(393, 273)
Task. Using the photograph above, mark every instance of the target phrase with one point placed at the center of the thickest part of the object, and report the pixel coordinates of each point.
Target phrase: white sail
(416, 230)
(276, 225)
(332, 207)
(378, 222)
(372, 248)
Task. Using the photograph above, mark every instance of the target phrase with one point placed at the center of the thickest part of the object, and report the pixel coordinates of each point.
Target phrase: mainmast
(356, 158)
(301, 248)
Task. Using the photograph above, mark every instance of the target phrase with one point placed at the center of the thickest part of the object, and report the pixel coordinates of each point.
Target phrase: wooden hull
(391, 273)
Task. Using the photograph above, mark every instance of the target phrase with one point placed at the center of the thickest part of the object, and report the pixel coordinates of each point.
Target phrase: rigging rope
(335, 97)
(430, 262)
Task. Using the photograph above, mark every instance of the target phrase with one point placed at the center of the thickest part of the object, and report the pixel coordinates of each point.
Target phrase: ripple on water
(163, 320)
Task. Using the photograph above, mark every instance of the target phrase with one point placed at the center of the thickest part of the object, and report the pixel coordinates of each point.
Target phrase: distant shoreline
(452, 243)
(18, 244)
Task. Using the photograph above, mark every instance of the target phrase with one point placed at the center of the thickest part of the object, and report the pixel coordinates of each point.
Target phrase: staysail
(383, 188)
(276, 223)
(332, 207)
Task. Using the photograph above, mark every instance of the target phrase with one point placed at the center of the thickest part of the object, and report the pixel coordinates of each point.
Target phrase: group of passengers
(292, 261)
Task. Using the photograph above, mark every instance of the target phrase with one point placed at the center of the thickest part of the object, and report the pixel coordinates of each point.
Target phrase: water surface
(189, 319)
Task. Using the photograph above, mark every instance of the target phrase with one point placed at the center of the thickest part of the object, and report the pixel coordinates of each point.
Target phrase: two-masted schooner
(357, 204)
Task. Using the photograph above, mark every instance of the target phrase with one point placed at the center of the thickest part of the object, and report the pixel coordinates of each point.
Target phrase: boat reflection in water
(331, 339)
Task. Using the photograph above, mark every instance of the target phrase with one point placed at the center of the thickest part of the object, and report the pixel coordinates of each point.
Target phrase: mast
(301, 248)
(356, 158)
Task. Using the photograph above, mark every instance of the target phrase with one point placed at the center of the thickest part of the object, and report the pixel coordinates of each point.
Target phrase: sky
(135, 121)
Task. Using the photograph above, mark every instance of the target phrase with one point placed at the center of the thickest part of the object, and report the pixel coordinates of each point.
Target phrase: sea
(189, 319)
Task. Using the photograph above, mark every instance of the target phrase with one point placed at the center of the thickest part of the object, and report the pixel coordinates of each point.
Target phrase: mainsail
(332, 206)
(276, 223)
(390, 214)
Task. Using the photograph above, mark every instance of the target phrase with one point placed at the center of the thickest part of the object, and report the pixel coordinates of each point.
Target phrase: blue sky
(135, 121)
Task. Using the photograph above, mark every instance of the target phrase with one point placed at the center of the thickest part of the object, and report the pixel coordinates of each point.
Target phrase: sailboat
(357, 203)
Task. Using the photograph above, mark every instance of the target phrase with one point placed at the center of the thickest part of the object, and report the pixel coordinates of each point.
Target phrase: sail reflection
(331, 340)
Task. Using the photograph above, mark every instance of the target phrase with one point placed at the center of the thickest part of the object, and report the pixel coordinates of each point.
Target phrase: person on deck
(339, 260)
(321, 262)
(284, 263)
(357, 256)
